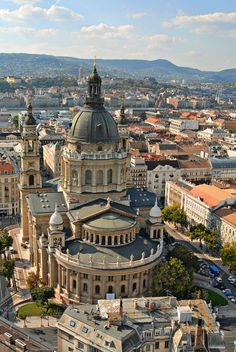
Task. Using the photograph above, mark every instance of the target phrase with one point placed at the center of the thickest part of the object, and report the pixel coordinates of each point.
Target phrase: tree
(228, 254)
(172, 276)
(7, 269)
(33, 280)
(16, 121)
(187, 258)
(42, 295)
(212, 240)
(6, 241)
(175, 215)
(198, 232)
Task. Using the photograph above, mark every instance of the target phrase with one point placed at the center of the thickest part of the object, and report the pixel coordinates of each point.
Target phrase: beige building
(86, 240)
(206, 204)
(52, 159)
(9, 192)
(153, 324)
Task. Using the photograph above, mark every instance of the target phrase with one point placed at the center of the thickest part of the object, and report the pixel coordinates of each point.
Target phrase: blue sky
(194, 33)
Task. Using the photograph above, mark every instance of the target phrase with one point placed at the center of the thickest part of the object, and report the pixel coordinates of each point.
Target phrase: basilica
(89, 239)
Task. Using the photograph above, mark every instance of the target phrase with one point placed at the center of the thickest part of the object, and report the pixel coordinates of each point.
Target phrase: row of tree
(211, 239)
(7, 265)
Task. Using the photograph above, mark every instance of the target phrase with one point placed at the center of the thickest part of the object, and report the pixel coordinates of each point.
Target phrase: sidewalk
(200, 253)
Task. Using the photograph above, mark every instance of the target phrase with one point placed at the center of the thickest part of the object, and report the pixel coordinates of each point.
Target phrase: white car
(218, 279)
(231, 277)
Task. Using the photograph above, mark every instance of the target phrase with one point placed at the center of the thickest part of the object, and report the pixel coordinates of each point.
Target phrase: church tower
(94, 163)
(30, 177)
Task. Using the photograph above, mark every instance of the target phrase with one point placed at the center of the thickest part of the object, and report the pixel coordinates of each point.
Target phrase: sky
(193, 33)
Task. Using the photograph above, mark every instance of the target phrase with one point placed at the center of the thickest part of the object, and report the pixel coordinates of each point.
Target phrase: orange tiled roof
(212, 195)
(152, 120)
(228, 214)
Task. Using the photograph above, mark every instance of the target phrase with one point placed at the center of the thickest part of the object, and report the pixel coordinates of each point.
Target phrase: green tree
(6, 241)
(212, 240)
(172, 276)
(33, 280)
(16, 121)
(198, 232)
(42, 295)
(228, 254)
(189, 260)
(174, 215)
(7, 269)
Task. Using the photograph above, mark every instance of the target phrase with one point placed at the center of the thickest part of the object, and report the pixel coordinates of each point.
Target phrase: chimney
(198, 343)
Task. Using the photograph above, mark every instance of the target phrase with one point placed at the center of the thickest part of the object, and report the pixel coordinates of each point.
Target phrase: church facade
(86, 240)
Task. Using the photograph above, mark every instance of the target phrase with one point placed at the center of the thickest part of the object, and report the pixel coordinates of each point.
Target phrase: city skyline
(174, 30)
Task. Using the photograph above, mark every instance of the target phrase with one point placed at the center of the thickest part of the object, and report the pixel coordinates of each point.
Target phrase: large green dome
(94, 125)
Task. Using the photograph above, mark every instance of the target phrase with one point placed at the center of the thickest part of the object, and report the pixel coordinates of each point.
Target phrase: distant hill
(48, 65)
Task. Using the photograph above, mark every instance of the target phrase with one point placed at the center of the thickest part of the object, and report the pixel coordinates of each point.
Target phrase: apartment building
(150, 324)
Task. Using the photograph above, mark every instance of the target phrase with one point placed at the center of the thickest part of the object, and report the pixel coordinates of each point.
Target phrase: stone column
(130, 292)
(140, 283)
(90, 288)
(59, 276)
(78, 285)
(68, 281)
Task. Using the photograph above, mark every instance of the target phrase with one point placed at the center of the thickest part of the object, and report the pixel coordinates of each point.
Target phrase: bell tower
(30, 177)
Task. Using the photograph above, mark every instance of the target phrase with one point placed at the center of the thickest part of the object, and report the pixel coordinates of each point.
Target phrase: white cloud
(26, 12)
(137, 15)
(107, 31)
(22, 31)
(207, 19)
(161, 40)
(23, 2)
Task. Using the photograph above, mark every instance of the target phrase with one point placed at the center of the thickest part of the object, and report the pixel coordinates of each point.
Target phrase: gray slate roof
(44, 203)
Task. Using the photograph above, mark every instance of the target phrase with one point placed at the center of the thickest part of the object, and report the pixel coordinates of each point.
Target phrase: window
(148, 348)
(31, 180)
(109, 176)
(97, 278)
(134, 286)
(122, 289)
(74, 284)
(85, 330)
(72, 323)
(99, 148)
(74, 178)
(157, 345)
(97, 289)
(88, 177)
(85, 276)
(110, 289)
(85, 288)
(123, 277)
(70, 349)
(110, 278)
(99, 177)
(135, 276)
(80, 345)
(144, 283)
(166, 344)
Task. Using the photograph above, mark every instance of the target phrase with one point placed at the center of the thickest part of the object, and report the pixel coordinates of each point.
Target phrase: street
(227, 314)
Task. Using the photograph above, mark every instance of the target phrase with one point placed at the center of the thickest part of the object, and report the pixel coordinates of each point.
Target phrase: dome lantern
(56, 218)
(155, 211)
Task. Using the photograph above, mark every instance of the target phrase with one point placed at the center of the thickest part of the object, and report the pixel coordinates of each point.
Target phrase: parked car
(218, 279)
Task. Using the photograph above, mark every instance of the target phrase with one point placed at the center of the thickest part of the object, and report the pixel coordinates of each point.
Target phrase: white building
(179, 125)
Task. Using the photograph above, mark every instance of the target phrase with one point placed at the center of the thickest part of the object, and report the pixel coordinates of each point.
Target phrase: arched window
(109, 241)
(88, 177)
(144, 283)
(97, 290)
(74, 176)
(97, 239)
(91, 238)
(126, 238)
(109, 176)
(122, 290)
(103, 240)
(85, 288)
(31, 180)
(134, 286)
(110, 289)
(99, 177)
(158, 233)
(115, 240)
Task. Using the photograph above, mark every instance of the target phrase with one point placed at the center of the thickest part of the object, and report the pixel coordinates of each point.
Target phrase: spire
(122, 117)
(30, 118)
